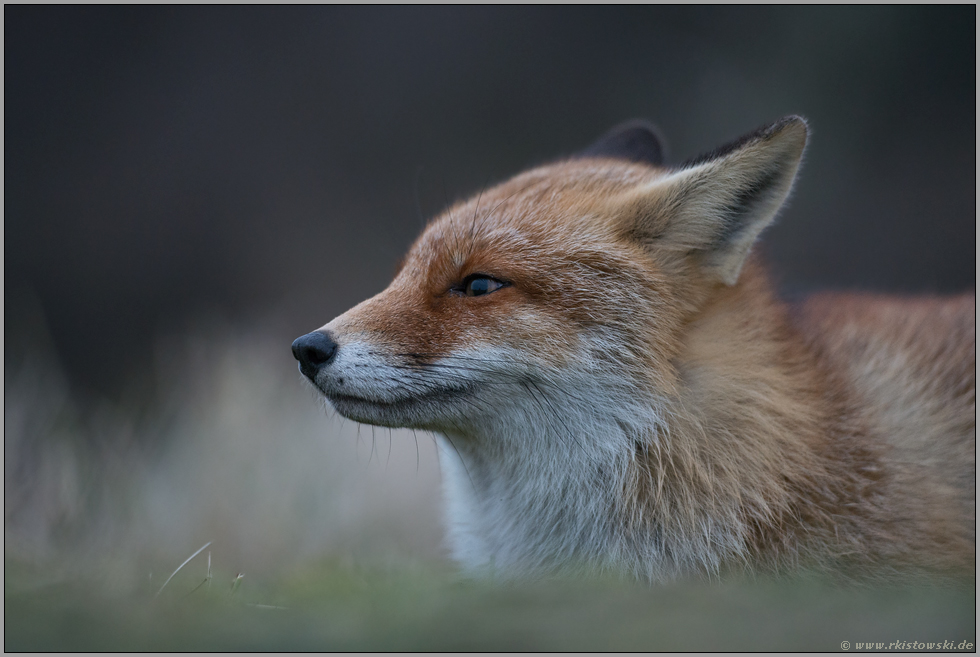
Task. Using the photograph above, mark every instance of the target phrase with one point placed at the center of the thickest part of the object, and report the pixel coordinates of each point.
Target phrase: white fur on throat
(543, 484)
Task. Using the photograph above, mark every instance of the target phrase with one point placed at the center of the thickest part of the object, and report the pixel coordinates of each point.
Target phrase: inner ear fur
(715, 206)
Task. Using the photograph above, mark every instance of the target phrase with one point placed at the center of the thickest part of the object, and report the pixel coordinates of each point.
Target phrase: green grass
(331, 607)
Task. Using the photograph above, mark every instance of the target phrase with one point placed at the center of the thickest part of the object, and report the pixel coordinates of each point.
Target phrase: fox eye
(478, 285)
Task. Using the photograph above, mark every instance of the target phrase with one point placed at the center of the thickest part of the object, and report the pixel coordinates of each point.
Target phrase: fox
(615, 384)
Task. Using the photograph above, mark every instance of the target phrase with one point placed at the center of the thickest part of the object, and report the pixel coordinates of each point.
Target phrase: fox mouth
(418, 411)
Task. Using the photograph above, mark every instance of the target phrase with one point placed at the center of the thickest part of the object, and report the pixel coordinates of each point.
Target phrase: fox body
(615, 386)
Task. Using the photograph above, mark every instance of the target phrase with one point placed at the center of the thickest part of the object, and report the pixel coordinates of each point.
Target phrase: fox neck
(730, 467)
(538, 495)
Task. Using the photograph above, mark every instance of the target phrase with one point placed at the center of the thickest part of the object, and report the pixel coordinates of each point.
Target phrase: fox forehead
(532, 219)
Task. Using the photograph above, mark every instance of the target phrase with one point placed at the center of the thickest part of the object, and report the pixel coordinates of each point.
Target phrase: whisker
(476, 212)
(452, 222)
(461, 459)
(417, 460)
(387, 460)
(358, 448)
(503, 378)
(435, 443)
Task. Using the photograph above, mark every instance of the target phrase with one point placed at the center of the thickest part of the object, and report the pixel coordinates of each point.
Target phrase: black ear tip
(794, 118)
(792, 126)
(634, 141)
(791, 130)
(793, 122)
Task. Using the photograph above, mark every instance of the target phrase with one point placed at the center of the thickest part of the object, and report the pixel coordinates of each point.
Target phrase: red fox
(615, 386)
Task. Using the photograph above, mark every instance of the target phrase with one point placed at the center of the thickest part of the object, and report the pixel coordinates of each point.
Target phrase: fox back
(615, 386)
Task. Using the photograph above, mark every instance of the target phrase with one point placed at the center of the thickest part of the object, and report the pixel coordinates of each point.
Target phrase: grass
(334, 607)
(325, 536)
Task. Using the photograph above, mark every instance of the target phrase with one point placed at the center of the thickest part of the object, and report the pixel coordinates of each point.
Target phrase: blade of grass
(201, 549)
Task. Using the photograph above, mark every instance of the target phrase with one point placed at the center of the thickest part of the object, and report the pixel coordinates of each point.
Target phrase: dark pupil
(479, 286)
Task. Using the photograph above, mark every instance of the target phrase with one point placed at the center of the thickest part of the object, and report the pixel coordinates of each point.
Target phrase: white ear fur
(716, 206)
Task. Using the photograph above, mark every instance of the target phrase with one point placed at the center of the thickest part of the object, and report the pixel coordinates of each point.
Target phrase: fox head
(561, 292)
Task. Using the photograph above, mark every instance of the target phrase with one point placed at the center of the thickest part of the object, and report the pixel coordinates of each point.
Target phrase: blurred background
(188, 189)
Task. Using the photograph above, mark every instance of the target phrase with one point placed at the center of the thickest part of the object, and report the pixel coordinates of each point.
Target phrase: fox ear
(635, 141)
(715, 206)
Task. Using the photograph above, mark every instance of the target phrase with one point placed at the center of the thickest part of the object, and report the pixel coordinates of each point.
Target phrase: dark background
(169, 166)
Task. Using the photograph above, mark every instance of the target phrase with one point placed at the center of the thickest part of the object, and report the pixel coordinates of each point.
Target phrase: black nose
(313, 351)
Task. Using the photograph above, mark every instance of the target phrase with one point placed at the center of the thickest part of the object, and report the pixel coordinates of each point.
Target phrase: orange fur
(635, 397)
